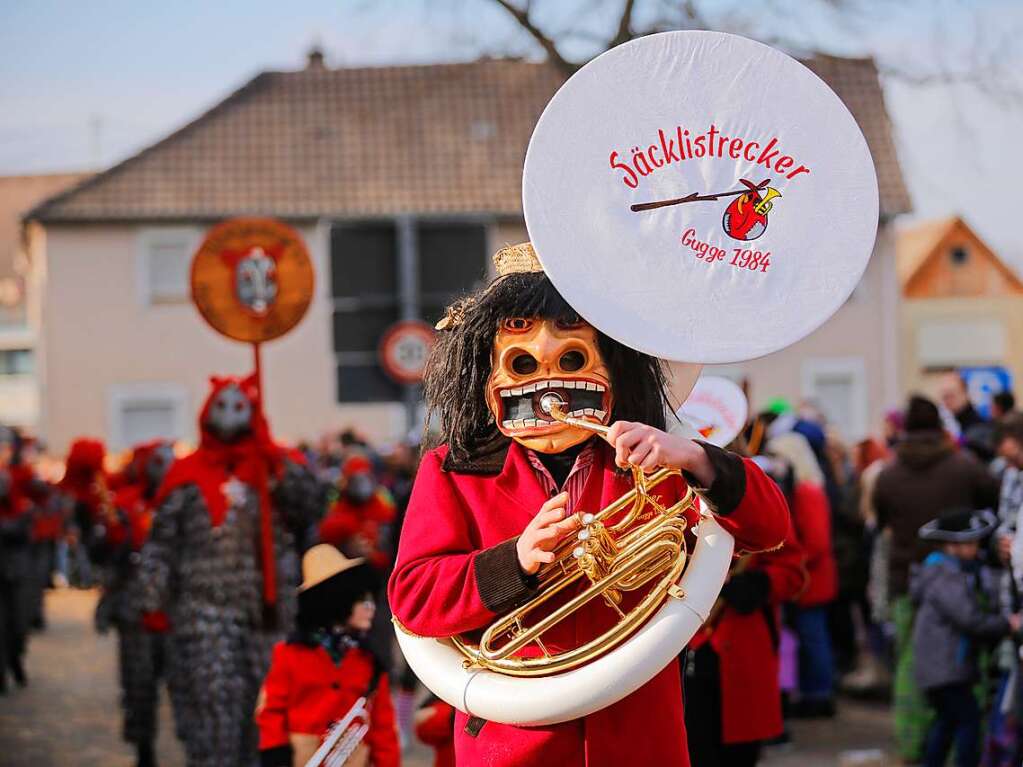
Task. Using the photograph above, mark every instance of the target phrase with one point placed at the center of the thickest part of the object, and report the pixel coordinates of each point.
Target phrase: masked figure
(356, 521)
(86, 489)
(222, 563)
(142, 649)
(493, 501)
(15, 578)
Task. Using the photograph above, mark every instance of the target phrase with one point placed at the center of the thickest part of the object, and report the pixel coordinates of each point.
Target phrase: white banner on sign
(717, 409)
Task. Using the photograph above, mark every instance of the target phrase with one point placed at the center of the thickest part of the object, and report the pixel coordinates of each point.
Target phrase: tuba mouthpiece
(549, 401)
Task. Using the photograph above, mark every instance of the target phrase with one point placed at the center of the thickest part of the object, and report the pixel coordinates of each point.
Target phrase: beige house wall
(998, 339)
(100, 339)
(860, 338)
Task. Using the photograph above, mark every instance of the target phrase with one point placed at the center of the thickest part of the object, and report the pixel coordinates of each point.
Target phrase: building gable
(441, 139)
(957, 264)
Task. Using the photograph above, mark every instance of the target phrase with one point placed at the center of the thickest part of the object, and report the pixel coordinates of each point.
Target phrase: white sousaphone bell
(616, 201)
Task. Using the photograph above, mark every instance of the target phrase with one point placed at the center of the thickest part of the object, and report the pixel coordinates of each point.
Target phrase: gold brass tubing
(594, 590)
(557, 411)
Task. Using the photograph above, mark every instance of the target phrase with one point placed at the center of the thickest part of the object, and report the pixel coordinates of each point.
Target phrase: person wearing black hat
(951, 624)
(319, 673)
(928, 476)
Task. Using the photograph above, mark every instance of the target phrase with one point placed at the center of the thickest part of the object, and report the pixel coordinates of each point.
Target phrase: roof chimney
(314, 59)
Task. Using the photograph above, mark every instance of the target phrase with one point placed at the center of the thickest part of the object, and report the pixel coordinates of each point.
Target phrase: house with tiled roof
(403, 180)
(962, 306)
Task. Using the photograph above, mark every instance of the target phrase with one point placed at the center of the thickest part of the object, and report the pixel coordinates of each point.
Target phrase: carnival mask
(230, 414)
(256, 281)
(158, 463)
(532, 357)
(359, 488)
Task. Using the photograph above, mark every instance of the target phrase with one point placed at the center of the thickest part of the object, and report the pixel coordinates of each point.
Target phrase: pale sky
(84, 85)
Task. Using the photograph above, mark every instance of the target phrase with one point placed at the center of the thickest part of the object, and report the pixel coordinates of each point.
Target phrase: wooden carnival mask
(532, 357)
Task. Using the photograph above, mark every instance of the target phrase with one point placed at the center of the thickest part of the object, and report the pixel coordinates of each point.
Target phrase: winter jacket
(306, 691)
(927, 477)
(456, 571)
(951, 621)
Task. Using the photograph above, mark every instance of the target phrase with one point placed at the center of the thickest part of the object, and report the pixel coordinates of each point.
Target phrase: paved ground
(68, 716)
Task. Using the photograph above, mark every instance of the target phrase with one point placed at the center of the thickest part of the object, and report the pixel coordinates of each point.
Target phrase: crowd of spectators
(889, 529)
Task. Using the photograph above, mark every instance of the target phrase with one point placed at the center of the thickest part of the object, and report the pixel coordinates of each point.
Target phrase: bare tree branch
(624, 33)
(550, 48)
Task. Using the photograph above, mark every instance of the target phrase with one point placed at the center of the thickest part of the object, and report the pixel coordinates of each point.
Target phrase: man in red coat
(486, 511)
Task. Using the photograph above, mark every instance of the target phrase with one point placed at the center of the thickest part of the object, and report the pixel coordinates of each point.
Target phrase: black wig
(459, 366)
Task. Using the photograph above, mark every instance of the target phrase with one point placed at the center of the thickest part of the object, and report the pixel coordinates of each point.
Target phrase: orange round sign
(252, 279)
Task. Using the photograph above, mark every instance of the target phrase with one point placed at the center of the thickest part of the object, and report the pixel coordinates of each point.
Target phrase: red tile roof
(437, 139)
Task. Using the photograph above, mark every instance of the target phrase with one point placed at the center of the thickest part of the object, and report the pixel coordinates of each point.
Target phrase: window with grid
(365, 285)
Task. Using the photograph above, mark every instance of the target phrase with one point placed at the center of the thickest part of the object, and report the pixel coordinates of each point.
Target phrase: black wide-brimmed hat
(331, 585)
(959, 526)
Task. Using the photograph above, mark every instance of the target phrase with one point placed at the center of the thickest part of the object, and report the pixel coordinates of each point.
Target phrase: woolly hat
(922, 415)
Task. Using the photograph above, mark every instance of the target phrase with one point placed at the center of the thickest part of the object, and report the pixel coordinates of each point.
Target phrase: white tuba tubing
(577, 693)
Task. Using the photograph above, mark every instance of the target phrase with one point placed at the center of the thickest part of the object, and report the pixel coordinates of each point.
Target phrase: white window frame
(189, 236)
(121, 395)
(814, 368)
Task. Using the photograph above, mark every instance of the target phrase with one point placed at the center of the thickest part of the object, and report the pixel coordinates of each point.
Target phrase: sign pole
(408, 290)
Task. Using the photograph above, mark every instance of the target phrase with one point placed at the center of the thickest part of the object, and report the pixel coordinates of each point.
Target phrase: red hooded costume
(254, 459)
(347, 518)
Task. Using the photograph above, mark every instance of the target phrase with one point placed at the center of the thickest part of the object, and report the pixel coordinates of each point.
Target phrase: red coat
(453, 517)
(811, 518)
(435, 727)
(746, 646)
(305, 692)
(345, 520)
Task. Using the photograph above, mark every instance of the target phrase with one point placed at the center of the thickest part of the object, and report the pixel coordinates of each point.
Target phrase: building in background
(19, 324)
(961, 308)
(849, 367)
(403, 181)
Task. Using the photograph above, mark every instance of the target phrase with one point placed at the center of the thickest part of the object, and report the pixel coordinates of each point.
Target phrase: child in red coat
(324, 668)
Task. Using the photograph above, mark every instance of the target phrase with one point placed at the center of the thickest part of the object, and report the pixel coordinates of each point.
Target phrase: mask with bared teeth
(534, 357)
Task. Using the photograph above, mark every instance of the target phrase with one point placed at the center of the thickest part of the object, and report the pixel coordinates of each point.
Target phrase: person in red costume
(85, 486)
(732, 693)
(492, 502)
(221, 562)
(15, 579)
(435, 726)
(142, 653)
(354, 522)
(325, 667)
(48, 518)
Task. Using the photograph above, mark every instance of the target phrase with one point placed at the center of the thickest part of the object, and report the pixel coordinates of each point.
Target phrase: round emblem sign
(717, 409)
(700, 196)
(252, 279)
(404, 349)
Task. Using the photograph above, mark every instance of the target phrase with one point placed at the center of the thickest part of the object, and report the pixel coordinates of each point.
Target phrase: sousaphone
(635, 179)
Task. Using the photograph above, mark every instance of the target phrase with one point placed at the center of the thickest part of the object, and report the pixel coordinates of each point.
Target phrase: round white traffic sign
(404, 349)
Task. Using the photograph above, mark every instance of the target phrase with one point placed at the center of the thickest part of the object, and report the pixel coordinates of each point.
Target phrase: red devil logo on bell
(746, 216)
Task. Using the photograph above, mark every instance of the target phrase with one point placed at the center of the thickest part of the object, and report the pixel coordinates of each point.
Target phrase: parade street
(69, 715)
